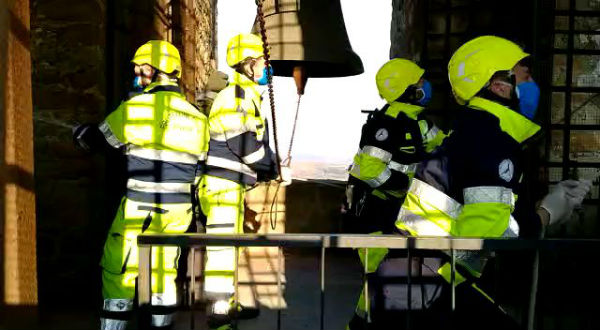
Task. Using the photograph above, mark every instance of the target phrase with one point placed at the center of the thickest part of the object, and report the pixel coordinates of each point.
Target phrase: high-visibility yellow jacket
(468, 189)
(239, 140)
(164, 138)
(393, 141)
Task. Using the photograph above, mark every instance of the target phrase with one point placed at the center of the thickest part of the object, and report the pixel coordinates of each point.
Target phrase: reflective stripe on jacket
(239, 139)
(164, 138)
(468, 188)
(393, 141)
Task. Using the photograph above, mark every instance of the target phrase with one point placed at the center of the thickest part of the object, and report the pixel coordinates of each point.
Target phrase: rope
(288, 160)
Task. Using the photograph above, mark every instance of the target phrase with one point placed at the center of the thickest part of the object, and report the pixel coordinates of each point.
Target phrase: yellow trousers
(222, 202)
(120, 259)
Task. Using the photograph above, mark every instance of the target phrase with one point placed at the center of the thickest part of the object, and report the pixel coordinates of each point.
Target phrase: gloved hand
(79, 132)
(286, 176)
(566, 196)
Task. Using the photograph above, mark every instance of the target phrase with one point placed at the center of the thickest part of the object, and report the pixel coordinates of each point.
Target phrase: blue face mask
(529, 95)
(427, 90)
(137, 83)
(263, 80)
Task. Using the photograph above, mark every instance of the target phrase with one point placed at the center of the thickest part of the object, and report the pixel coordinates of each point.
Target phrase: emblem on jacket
(506, 170)
(381, 134)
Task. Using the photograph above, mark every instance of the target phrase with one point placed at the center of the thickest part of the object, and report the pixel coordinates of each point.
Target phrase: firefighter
(239, 156)
(470, 185)
(164, 138)
(394, 140)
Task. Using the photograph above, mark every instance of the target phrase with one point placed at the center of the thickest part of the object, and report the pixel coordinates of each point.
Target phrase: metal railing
(338, 241)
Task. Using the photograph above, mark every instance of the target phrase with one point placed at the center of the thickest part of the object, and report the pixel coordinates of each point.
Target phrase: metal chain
(263, 34)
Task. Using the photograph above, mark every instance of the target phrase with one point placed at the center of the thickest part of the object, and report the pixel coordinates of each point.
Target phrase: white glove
(566, 196)
(286, 176)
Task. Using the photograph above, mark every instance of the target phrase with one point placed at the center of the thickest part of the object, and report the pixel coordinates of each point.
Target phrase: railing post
(408, 281)
(453, 280)
(192, 288)
(534, 286)
(279, 287)
(366, 286)
(144, 275)
(322, 288)
(236, 297)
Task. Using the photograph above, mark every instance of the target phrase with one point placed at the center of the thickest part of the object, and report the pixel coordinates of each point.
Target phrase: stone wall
(407, 29)
(68, 44)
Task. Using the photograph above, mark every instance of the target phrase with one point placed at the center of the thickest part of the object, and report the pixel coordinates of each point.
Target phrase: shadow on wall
(314, 206)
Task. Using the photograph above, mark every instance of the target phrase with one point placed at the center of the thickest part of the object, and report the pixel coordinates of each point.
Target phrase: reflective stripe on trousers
(120, 258)
(163, 320)
(116, 307)
(126, 305)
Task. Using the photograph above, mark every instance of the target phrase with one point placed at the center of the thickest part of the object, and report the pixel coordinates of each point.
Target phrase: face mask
(529, 95)
(427, 91)
(263, 80)
(137, 83)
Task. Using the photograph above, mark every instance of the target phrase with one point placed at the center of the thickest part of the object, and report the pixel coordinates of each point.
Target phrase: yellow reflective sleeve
(367, 167)
(426, 216)
(482, 220)
(436, 141)
(432, 136)
(113, 126)
(231, 116)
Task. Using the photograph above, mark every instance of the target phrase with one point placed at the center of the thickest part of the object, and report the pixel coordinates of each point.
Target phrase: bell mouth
(318, 69)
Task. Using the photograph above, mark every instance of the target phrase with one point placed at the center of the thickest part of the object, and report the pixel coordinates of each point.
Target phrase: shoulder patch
(381, 134)
(506, 170)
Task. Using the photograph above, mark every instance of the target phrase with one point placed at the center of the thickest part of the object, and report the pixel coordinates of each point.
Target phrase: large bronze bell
(308, 36)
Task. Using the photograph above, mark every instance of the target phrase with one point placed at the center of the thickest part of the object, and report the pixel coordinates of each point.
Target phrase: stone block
(67, 10)
(52, 96)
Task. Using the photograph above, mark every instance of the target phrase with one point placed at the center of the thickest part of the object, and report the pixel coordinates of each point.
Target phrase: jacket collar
(162, 86)
(242, 80)
(245, 83)
(511, 122)
(410, 110)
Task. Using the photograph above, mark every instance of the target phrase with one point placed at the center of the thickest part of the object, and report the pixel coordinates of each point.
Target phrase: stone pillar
(69, 87)
(17, 199)
(194, 33)
(407, 29)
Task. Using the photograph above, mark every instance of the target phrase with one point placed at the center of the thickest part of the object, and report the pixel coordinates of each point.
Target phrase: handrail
(365, 241)
(335, 241)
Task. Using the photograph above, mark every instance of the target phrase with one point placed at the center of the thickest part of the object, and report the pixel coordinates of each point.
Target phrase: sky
(330, 118)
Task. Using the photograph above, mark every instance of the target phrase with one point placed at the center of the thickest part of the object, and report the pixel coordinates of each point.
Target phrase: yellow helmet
(475, 62)
(394, 77)
(243, 46)
(159, 54)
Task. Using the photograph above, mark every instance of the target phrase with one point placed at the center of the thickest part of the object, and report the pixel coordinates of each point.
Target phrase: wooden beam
(17, 198)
